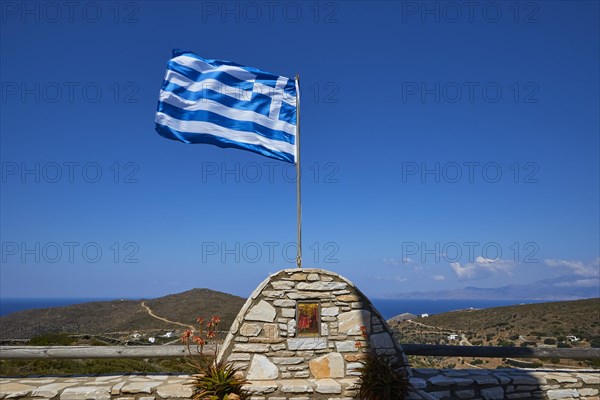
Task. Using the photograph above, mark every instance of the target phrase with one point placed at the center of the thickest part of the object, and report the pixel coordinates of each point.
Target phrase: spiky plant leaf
(381, 378)
(215, 381)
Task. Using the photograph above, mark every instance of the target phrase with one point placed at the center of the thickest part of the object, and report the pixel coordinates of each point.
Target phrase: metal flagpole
(298, 193)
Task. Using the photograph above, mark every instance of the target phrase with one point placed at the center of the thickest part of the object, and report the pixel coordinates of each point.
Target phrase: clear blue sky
(425, 132)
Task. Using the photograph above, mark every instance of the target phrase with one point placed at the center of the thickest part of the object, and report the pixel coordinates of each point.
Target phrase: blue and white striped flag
(227, 105)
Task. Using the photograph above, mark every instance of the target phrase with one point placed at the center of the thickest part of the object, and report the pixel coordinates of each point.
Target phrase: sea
(391, 307)
(387, 307)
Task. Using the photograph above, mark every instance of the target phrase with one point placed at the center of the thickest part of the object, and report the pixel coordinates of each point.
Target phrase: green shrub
(504, 343)
(24, 368)
(536, 364)
(549, 341)
(593, 363)
(52, 339)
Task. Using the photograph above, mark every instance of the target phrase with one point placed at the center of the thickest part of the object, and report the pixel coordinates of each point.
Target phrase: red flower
(186, 335)
(215, 319)
(211, 334)
(363, 330)
(198, 340)
(200, 320)
(358, 345)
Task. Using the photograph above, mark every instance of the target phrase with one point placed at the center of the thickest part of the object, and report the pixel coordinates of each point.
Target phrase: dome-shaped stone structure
(297, 335)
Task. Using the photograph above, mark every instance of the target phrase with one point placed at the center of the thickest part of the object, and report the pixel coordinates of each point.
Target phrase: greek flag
(227, 105)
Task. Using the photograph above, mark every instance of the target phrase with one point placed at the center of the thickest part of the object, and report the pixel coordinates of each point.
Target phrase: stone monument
(299, 335)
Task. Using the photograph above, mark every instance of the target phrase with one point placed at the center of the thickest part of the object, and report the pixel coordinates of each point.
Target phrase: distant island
(557, 289)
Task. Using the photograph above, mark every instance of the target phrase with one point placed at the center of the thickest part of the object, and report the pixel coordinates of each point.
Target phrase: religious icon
(308, 319)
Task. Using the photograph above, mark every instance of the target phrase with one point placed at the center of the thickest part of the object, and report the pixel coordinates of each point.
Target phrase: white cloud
(481, 268)
(391, 261)
(439, 277)
(394, 262)
(576, 267)
(396, 278)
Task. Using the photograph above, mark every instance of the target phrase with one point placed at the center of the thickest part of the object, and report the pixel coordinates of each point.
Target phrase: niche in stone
(308, 319)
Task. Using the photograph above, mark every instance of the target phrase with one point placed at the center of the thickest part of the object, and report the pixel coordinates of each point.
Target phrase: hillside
(552, 324)
(122, 316)
(521, 323)
(579, 318)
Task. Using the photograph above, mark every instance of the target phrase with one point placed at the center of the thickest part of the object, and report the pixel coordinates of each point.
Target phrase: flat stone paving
(427, 384)
(125, 387)
(508, 383)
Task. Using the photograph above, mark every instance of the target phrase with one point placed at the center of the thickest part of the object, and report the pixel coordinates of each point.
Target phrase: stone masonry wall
(427, 384)
(264, 344)
(504, 383)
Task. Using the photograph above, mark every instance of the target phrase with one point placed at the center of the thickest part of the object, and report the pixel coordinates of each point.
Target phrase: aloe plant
(381, 378)
(218, 381)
